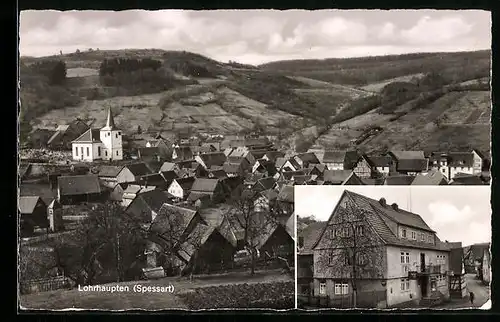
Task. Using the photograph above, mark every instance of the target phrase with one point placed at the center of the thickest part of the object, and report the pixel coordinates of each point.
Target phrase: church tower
(111, 138)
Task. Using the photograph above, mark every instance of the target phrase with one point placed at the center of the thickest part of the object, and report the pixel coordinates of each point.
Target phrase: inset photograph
(388, 247)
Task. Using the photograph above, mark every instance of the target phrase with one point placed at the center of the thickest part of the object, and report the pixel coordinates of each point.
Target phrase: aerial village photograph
(393, 247)
(159, 150)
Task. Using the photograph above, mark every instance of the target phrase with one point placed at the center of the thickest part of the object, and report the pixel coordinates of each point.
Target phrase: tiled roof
(379, 161)
(286, 194)
(400, 155)
(110, 171)
(252, 178)
(412, 165)
(288, 175)
(460, 159)
(148, 152)
(431, 178)
(273, 155)
(145, 202)
(351, 159)
(399, 180)
(264, 184)
(186, 183)
(334, 157)
(219, 173)
(90, 136)
(27, 204)
(310, 235)
(303, 179)
(190, 164)
(269, 194)
(467, 179)
(308, 157)
(196, 195)
(214, 158)
(139, 169)
(279, 162)
(78, 185)
(167, 166)
(230, 168)
(169, 175)
(294, 163)
(336, 176)
(205, 185)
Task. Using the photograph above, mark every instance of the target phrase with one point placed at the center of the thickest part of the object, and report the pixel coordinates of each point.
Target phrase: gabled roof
(405, 155)
(280, 161)
(399, 180)
(252, 178)
(351, 159)
(236, 159)
(273, 155)
(336, 176)
(186, 183)
(303, 179)
(378, 216)
(27, 204)
(230, 168)
(148, 152)
(334, 157)
(431, 178)
(308, 157)
(167, 166)
(205, 185)
(269, 194)
(78, 185)
(139, 169)
(293, 162)
(379, 161)
(411, 165)
(154, 179)
(213, 159)
(219, 173)
(310, 235)
(187, 164)
(400, 216)
(460, 159)
(110, 171)
(264, 184)
(89, 136)
(286, 194)
(167, 211)
(318, 166)
(288, 175)
(467, 179)
(148, 201)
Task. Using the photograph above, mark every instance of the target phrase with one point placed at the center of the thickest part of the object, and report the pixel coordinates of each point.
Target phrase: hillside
(438, 100)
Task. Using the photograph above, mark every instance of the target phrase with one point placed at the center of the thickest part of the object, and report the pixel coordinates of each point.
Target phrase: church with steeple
(99, 144)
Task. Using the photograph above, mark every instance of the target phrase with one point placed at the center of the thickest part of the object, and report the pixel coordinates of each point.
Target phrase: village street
(481, 295)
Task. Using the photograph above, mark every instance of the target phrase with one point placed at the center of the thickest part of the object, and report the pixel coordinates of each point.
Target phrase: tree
(350, 249)
(107, 240)
(254, 225)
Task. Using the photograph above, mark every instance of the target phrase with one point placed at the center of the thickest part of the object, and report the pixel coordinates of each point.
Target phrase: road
(481, 295)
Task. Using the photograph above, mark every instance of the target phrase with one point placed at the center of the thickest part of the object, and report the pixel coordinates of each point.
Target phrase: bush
(275, 295)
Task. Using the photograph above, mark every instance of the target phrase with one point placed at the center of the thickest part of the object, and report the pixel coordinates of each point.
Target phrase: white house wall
(176, 190)
(125, 176)
(396, 270)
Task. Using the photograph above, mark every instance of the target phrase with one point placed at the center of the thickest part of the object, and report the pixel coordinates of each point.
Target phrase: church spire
(110, 122)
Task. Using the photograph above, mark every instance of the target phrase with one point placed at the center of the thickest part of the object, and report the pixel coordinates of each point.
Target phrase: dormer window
(403, 232)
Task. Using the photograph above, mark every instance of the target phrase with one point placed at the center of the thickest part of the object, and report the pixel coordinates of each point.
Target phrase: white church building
(103, 144)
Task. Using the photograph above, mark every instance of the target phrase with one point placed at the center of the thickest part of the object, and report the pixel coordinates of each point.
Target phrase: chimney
(395, 206)
(383, 202)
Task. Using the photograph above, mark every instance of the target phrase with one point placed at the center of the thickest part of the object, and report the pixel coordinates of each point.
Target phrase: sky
(257, 36)
(456, 213)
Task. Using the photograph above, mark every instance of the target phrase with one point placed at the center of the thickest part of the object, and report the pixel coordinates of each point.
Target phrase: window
(76, 151)
(99, 151)
(403, 232)
(422, 237)
(429, 239)
(405, 284)
(333, 231)
(347, 260)
(341, 288)
(81, 150)
(402, 257)
(361, 259)
(119, 133)
(360, 230)
(331, 258)
(106, 153)
(116, 152)
(407, 255)
(322, 288)
(413, 235)
(88, 151)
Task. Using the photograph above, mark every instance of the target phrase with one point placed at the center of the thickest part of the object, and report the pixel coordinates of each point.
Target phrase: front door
(423, 285)
(422, 262)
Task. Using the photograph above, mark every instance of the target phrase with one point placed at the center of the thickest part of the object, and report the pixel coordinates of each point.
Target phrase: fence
(368, 299)
(44, 285)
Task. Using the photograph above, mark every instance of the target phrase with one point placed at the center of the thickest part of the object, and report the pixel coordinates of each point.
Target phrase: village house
(169, 166)
(133, 172)
(217, 173)
(363, 169)
(103, 144)
(473, 258)
(108, 175)
(163, 146)
(290, 165)
(77, 189)
(236, 166)
(116, 194)
(397, 256)
(131, 191)
(285, 199)
(452, 163)
(264, 184)
(265, 200)
(408, 162)
(305, 159)
(207, 187)
(213, 146)
(145, 206)
(181, 187)
(264, 166)
(334, 160)
(209, 160)
(169, 176)
(305, 271)
(149, 154)
(182, 152)
(468, 180)
(458, 284)
(430, 178)
(272, 156)
(341, 177)
(380, 165)
(65, 134)
(33, 214)
(153, 179)
(279, 239)
(316, 170)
